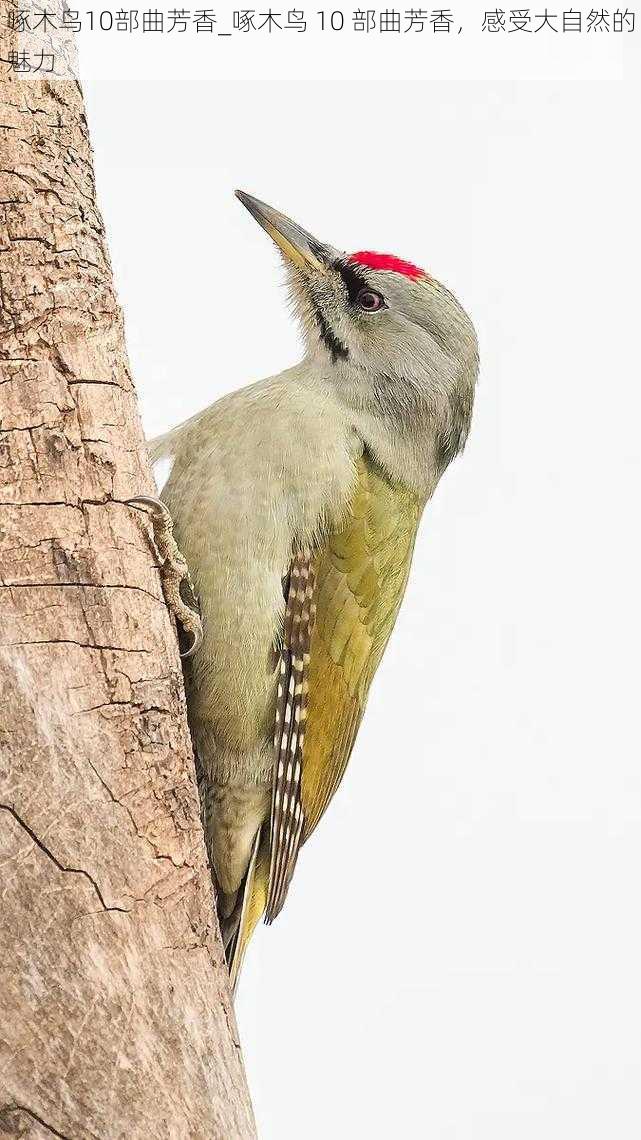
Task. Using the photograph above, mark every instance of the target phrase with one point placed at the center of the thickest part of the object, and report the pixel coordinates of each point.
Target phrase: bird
(294, 504)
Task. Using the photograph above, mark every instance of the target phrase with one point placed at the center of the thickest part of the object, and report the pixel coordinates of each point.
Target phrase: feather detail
(340, 610)
(360, 581)
(291, 711)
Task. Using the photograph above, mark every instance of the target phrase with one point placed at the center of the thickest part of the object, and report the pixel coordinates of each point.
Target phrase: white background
(460, 954)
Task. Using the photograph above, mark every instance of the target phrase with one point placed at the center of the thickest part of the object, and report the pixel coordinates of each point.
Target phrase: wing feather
(341, 607)
(291, 710)
(361, 579)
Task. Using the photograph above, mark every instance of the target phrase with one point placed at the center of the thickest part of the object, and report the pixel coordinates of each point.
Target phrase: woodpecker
(295, 504)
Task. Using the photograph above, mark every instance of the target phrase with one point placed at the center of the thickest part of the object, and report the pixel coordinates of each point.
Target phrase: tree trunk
(116, 1016)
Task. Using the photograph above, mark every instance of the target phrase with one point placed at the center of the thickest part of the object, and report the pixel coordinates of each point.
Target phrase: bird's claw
(156, 506)
(174, 571)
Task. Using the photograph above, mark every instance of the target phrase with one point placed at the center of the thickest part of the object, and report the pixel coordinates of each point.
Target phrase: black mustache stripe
(335, 346)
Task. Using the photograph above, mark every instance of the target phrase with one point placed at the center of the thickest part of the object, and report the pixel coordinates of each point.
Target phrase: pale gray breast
(260, 470)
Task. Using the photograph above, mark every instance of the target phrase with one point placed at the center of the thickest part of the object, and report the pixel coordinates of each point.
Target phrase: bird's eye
(369, 300)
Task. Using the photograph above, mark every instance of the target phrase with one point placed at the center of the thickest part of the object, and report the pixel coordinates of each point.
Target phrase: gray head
(392, 341)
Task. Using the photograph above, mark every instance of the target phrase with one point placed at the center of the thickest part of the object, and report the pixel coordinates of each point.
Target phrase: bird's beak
(294, 242)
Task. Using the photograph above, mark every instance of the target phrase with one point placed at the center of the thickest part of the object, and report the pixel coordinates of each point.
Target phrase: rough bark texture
(115, 1012)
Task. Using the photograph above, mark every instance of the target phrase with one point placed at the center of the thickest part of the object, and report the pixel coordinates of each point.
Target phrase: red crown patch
(373, 260)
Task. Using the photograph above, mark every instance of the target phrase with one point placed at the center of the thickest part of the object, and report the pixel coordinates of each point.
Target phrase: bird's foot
(174, 571)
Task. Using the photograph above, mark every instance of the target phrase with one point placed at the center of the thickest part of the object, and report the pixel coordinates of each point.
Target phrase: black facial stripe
(335, 346)
(354, 281)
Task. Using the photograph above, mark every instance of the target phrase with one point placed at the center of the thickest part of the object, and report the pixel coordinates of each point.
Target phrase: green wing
(360, 581)
(341, 609)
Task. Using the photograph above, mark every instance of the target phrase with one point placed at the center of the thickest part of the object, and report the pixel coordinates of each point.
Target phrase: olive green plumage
(361, 578)
(361, 574)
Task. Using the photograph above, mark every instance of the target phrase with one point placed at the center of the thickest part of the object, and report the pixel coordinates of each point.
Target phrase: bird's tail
(251, 905)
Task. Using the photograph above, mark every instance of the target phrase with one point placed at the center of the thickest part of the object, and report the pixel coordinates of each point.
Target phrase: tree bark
(116, 1015)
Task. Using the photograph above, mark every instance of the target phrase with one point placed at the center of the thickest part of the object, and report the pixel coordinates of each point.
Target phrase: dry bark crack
(56, 862)
(9, 1110)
